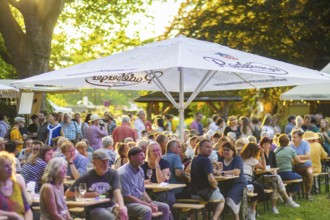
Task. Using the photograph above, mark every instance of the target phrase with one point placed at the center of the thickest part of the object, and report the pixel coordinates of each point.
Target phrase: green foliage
(92, 29)
(7, 70)
(292, 31)
(96, 96)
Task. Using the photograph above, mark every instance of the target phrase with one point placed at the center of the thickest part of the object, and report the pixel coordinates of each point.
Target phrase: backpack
(7, 135)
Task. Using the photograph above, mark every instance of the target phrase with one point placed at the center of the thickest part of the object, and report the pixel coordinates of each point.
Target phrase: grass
(317, 209)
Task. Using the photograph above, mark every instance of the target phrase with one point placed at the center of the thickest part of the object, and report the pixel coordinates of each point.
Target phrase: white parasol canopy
(180, 65)
(315, 92)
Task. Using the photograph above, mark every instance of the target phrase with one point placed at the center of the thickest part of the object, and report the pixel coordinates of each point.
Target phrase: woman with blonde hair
(156, 167)
(14, 204)
(52, 201)
(299, 124)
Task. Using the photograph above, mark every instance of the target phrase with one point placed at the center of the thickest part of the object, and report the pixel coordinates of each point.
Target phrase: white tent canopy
(316, 92)
(180, 65)
(5, 85)
(57, 108)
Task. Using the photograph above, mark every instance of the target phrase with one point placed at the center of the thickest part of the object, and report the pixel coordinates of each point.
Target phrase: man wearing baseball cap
(102, 180)
(136, 198)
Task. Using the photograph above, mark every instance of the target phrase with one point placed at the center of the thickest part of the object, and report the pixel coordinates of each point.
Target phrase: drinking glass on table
(149, 173)
(82, 189)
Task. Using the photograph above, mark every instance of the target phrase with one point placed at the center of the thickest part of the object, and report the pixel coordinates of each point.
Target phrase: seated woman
(13, 203)
(232, 190)
(274, 181)
(250, 155)
(284, 155)
(156, 166)
(35, 166)
(52, 201)
(122, 149)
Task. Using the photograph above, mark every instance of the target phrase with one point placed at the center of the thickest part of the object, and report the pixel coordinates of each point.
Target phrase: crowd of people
(117, 159)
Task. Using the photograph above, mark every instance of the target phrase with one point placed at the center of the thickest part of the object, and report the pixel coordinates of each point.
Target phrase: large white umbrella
(180, 65)
(309, 92)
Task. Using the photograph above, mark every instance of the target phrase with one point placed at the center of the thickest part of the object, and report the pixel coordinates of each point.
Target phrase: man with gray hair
(143, 144)
(107, 146)
(123, 131)
(71, 129)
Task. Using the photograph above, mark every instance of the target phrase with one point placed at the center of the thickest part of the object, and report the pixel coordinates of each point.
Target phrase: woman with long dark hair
(54, 128)
(251, 154)
(35, 166)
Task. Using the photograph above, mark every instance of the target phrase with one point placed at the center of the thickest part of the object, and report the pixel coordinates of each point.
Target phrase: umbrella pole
(181, 105)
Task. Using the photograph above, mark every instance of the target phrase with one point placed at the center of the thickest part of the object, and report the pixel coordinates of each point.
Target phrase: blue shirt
(288, 128)
(81, 165)
(71, 130)
(131, 181)
(53, 132)
(34, 172)
(201, 167)
(302, 149)
(175, 163)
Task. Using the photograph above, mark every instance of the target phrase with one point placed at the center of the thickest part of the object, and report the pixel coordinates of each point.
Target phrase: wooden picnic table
(161, 187)
(68, 182)
(258, 172)
(224, 178)
(72, 204)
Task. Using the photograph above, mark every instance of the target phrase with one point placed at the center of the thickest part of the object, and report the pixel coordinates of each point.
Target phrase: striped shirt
(34, 172)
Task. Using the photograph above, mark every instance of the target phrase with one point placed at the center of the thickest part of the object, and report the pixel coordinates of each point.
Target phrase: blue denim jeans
(289, 175)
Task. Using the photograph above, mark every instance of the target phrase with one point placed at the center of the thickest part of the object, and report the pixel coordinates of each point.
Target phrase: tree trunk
(29, 52)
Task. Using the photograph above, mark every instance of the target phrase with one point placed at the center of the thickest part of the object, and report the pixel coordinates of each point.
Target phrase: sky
(163, 15)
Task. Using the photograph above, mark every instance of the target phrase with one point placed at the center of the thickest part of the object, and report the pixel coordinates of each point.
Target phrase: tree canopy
(85, 29)
(293, 31)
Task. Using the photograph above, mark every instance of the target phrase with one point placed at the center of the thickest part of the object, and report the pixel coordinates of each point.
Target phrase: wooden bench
(267, 197)
(317, 181)
(202, 202)
(289, 182)
(185, 207)
(156, 214)
(77, 212)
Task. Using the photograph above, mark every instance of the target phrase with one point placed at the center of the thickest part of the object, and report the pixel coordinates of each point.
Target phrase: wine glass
(149, 173)
(82, 189)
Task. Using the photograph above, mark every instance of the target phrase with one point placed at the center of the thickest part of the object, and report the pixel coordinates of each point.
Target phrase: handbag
(206, 193)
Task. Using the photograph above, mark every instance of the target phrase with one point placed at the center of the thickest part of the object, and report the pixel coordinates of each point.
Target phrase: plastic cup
(77, 194)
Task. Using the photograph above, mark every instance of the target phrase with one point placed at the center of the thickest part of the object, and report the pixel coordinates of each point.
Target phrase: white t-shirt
(139, 126)
(248, 165)
(269, 129)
